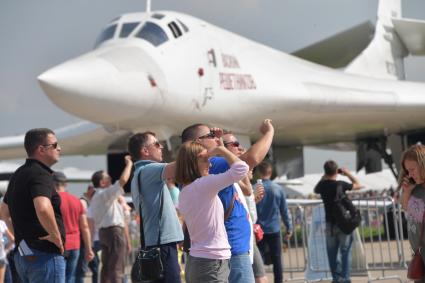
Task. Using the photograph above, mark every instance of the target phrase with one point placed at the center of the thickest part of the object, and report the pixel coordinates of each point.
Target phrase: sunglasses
(210, 135)
(156, 144)
(53, 145)
(233, 143)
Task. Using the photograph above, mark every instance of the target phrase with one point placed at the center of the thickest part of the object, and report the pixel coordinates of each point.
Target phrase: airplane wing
(412, 34)
(82, 138)
(339, 50)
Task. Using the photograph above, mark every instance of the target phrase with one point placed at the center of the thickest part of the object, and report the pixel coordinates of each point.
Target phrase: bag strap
(339, 192)
(142, 234)
(231, 205)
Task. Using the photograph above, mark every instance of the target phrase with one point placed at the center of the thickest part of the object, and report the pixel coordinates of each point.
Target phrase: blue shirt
(152, 184)
(237, 225)
(272, 207)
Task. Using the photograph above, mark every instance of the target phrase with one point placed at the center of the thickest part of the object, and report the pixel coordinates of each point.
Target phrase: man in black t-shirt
(33, 205)
(336, 240)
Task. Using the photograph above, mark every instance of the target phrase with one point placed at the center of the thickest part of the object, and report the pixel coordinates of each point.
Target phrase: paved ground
(384, 254)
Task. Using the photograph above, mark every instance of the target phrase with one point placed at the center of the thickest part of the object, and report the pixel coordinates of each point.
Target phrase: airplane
(164, 70)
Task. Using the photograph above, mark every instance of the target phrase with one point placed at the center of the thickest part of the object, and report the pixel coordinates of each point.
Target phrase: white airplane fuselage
(210, 75)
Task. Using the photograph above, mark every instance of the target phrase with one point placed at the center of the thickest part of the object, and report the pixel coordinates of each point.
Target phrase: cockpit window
(175, 29)
(185, 28)
(157, 16)
(106, 34)
(152, 33)
(127, 28)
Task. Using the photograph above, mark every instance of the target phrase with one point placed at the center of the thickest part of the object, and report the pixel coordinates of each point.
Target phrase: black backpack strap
(142, 234)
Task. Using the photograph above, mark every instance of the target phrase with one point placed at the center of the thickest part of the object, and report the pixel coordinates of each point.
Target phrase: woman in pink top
(203, 212)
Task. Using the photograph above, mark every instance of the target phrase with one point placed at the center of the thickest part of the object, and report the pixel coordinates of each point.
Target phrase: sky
(37, 35)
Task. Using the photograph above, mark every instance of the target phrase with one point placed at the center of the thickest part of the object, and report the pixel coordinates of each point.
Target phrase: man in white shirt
(106, 214)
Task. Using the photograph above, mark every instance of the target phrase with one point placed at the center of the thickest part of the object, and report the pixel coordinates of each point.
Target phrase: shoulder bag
(148, 266)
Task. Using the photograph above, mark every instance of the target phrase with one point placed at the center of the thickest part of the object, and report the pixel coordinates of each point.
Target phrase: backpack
(347, 216)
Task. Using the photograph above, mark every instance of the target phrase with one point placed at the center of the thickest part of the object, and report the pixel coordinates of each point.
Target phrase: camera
(339, 171)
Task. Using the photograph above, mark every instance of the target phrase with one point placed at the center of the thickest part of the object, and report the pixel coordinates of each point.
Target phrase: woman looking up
(203, 212)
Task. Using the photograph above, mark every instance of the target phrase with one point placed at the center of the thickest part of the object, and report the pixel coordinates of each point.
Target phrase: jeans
(338, 246)
(71, 259)
(272, 243)
(170, 262)
(241, 269)
(83, 266)
(41, 267)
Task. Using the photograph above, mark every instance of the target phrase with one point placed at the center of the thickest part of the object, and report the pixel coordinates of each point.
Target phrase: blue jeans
(83, 266)
(170, 262)
(272, 244)
(40, 267)
(338, 247)
(241, 269)
(71, 259)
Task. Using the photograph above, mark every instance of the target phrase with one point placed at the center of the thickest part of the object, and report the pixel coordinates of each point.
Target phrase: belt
(112, 227)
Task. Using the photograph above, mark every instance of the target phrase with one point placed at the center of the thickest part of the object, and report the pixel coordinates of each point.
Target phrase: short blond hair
(414, 153)
(187, 169)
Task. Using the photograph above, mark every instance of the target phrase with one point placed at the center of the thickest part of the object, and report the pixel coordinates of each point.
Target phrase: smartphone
(339, 171)
(412, 181)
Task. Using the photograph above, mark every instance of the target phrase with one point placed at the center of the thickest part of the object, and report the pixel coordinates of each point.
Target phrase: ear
(144, 151)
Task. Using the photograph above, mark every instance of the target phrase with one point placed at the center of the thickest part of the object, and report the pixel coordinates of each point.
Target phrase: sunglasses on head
(210, 135)
(54, 145)
(232, 143)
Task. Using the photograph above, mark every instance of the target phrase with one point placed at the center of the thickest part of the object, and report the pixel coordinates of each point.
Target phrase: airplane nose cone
(95, 87)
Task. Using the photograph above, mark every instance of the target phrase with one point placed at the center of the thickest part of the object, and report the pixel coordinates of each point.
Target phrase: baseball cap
(59, 177)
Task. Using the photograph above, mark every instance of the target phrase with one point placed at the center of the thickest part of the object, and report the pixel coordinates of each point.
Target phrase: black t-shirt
(327, 190)
(31, 180)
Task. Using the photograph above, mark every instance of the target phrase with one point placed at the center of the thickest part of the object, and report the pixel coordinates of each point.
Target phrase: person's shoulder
(218, 165)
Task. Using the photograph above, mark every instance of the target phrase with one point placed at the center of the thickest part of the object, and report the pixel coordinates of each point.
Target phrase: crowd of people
(205, 198)
(205, 192)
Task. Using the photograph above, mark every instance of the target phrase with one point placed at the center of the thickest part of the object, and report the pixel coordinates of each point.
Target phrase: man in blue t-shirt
(237, 224)
(152, 174)
(271, 210)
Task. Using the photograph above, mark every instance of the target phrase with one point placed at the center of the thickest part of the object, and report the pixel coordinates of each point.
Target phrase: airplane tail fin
(383, 57)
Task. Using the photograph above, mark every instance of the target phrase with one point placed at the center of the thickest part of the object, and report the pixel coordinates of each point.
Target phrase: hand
(89, 255)
(343, 171)
(55, 240)
(266, 126)
(288, 236)
(406, 185)
(127, 160)
(129, 247)
(259, 192)
(216, 151)
(217, 132)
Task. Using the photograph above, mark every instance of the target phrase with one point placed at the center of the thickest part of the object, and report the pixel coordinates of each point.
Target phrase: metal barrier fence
(380, 243)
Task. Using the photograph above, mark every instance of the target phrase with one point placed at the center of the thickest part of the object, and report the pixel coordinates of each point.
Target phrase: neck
(333, 177)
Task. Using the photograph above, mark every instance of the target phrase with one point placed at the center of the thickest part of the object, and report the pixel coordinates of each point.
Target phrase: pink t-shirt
(204, 215)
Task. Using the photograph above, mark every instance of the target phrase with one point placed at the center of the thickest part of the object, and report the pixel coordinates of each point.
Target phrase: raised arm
(246, 186)
(169, 171)
(125, 175)
(353, 180)
(256, 153)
